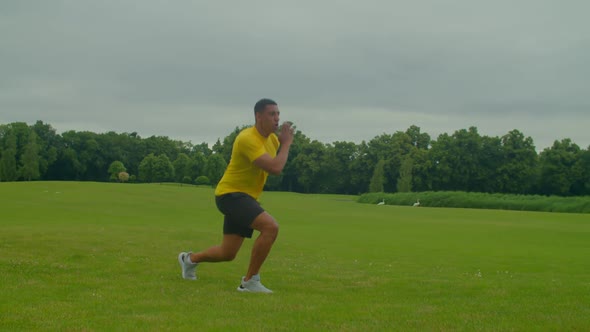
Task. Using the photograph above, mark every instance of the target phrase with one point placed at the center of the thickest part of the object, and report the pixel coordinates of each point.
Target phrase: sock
(187, 259)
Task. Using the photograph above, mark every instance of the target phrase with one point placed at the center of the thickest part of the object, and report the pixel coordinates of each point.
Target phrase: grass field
(102, 257)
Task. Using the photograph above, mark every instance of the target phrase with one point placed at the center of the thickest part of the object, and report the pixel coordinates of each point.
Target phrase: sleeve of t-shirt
(251, 148)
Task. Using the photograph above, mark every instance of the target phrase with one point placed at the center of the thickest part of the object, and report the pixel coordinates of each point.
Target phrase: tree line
(404, 161)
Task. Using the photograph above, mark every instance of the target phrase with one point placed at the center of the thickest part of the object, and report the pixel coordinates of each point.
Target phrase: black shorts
(240, 210)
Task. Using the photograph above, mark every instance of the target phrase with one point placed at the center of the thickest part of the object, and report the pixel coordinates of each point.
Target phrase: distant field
(102, 257)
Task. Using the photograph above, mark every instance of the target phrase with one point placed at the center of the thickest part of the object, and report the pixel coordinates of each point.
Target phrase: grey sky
(341, 70)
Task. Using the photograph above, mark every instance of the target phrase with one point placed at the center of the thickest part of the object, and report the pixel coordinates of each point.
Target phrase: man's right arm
(274, 165)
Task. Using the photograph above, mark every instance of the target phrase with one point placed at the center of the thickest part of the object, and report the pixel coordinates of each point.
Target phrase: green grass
(102, 257)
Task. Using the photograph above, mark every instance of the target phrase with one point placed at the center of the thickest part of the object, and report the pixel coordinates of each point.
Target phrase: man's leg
(225, 252)
(269, 229)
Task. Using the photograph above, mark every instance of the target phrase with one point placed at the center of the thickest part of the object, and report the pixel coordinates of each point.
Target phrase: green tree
(309, 166)
(183, 168)
(198, 164)
(581, 170)
(456, 161)
(418, 139)
(337, 160)
(401, 147)
(30, 159)
(442, 163)
(215, 168)
(48, 141)
(202, 148)
(466, 152)
(161, 145)
(391, 149)
(8, 170)
(89, 162)
(217, 147)
(289, 178)
(490, 158)
(517, 172)
(21, 131)
(163, 169)
(126, 148)
(378, 178)
(361, 164)
(422, 175)
(146, 169)
(557, 168)
(404, 184)
(422, 166)
(115, 168)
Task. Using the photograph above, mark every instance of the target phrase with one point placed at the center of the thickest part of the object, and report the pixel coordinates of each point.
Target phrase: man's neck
(261, 131)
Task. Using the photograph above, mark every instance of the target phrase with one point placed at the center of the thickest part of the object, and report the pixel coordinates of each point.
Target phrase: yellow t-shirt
(241, 174)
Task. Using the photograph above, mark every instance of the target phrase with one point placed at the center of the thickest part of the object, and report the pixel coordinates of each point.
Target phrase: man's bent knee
(266, 224)
(271, 229)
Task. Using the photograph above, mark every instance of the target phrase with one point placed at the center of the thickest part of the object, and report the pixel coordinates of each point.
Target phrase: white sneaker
(253, 285)
(188, 268)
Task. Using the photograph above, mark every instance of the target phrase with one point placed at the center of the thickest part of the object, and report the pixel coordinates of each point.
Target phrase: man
(255, 154)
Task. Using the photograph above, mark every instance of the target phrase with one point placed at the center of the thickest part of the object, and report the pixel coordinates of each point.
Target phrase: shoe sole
(246, 290)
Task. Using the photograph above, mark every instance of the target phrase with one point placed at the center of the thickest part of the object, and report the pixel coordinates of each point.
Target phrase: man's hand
(286, 133)
(275, 165)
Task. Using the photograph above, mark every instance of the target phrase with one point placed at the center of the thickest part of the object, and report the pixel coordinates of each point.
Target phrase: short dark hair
(262, 103)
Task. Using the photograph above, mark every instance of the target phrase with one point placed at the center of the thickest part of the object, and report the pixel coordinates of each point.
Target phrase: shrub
(202, 180)
(473, 200)
(123, 176)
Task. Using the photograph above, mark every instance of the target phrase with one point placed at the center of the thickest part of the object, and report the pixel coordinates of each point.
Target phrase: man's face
(268, 119)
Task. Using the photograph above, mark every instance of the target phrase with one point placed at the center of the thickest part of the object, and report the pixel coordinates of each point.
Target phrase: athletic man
(254, 156)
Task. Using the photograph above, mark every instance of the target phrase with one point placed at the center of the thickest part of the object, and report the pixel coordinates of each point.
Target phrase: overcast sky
(341, 70)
